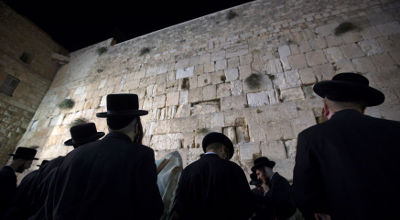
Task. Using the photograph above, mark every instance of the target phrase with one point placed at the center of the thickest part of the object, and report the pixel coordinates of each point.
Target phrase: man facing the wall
(348, 166)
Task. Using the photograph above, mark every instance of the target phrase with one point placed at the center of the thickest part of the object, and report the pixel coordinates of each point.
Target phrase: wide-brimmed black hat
(262, 162)
(215, 137)
(83, 133)
(254, 180)
(122, 105)
(25, 153)
(348, 87)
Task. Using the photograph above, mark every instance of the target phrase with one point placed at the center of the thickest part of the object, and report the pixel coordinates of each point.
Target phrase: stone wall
(248, 75)
(34, 70)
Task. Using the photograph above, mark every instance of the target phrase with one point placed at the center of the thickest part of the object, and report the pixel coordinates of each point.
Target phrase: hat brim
(24, 158)
(270, 164)
(346, 92)
(129, 113)
(95, 137)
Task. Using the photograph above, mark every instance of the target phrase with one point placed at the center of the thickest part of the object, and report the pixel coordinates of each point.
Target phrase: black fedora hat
(83, 133)
(122, 105)
(254, 180)
(25, 153)
(215, 137)
(262, 162)
(348, 87)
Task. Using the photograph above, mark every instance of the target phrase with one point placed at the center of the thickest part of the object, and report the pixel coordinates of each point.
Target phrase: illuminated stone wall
(247, 72)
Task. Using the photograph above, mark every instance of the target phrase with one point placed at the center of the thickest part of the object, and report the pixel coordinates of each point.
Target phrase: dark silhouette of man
(214, 187)
(347, 167)
(22, 160)
(113, 178)
(278, 202)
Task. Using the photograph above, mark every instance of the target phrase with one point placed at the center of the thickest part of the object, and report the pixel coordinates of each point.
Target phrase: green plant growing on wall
(202, 130)
(345, 27)
(101, 50)
(144, 51)
(79, 121)
(254, 81)
(66, 104)
(231, 15)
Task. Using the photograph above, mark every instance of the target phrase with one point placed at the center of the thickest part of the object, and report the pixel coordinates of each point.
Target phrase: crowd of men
(346, 168)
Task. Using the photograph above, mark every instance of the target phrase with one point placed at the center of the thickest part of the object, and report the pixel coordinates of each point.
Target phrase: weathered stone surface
(195, 95)
(334, 54)
(231, 74)
(307, 76)
(209, 92)
(204, 107)
(257, 99)
(236, 87)
(363, 65)
(223, 90)
(183, 73)
(249, 151)
(297, 61)
(273, 150)
(315, 58)
(172, 98)
(351, 51)
(292, 94)
(327, 29)
(233, 102)
(274, 66)
(200, 82)
(220, 64)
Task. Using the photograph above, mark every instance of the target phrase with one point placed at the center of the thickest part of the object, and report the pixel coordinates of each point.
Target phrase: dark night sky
(77, 24)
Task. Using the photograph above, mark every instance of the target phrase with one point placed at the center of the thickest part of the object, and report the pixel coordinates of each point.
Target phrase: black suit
(213, 188)
(112, 178)
(23, 201)
(8, 185)
(278, 202)
(349, 167)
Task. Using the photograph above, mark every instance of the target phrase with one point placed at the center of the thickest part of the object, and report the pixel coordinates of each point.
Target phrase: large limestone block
(236, 87)
(351, 51)
(279, 130)
(292, 94)
(297, 61)
(231, 74)
(195, 95)
(249, 151)
(172, 99)
(183, 73)
(209, 92)
(371, 47)
(316, 57)
(233, 102)
(257, 99)
(273, 149)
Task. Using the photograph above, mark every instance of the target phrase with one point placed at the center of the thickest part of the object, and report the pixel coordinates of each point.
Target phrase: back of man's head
(219, 149)
(336, 106)
(130, 126)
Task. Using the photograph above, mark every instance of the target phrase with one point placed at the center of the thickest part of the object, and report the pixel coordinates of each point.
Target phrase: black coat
(22, 203)
(8, 185)
(278, 202)
(32, 192)
(112, 178)
(213, 188)
(349, 167)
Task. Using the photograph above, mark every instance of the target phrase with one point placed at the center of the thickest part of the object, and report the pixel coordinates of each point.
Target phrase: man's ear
(325, 111)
